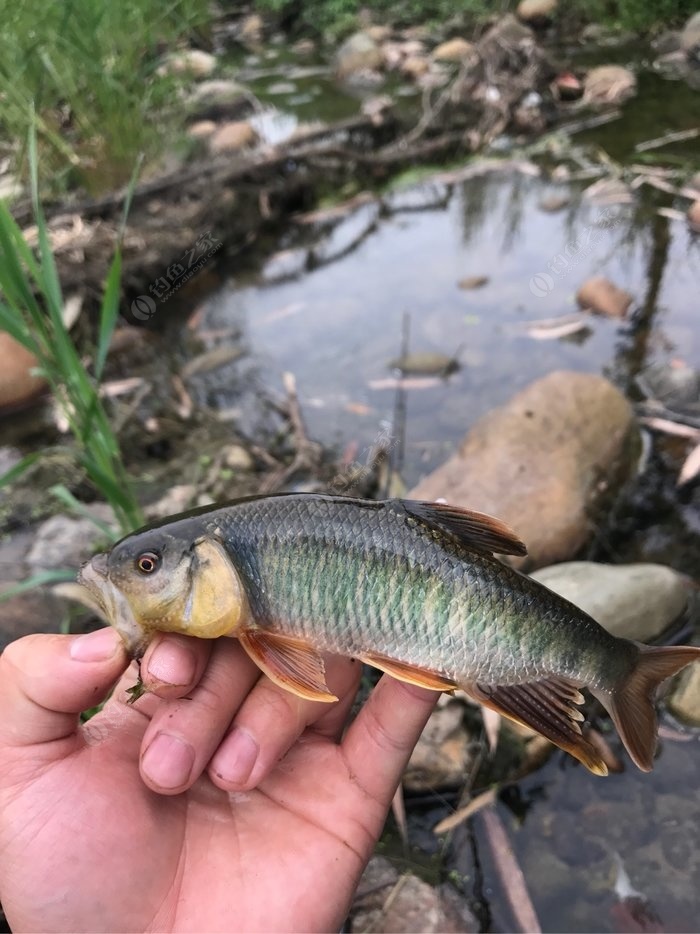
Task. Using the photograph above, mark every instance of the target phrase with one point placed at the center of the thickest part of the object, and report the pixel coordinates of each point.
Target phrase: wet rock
(414, 66)
(567, 86)
(193, 62)
(179, 498)
(217, 99)
(231, 137)
(378, 33)
(675, 384)
(425, 364)
(411, 904)
(35, 611)
(304, 47)
(544, 463)
(536, 11)
(201, 129)
(667, 43)
(685, 700)
(528, 115)
(506, 36)
(454, 50)
(604, 297)
(442, 754)
(635, 601)
(9, 458)
(609, 84)
(17, 384)
(359, 53)
(236, 457)
(65, 542)
(285, 264)
(694, 216)
(554, 203)
(690, 38)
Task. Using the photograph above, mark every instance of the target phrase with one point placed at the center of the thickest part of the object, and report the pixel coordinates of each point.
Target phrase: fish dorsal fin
(291, 663)
(547, 706)
(474, 529)
(409, 673)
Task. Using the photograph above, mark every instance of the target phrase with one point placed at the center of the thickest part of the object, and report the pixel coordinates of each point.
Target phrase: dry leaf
(668, 427)
(549, 332)
(358, 408)
(690, 468)
(398, 809)
(459, 816)
(120, 387)
(415, 382)
(601, 745)
(492, 726)
(71, 310)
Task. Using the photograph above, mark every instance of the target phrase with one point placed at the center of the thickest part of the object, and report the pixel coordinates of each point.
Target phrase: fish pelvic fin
(550, 707)
(411, 674)
(631, 704)
(290, 663)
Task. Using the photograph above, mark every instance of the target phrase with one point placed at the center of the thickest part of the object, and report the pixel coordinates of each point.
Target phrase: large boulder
(634, 601)
(359, 53)
(544, 463)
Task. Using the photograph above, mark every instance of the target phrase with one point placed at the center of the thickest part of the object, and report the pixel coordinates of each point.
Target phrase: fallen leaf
(211, 360)
(358, 408)
(668, 427)
(492, 726)
(119, 387)
(286, 312)
(473, 282)
(549, 331)
(416, 382)
(462, 814)
(690, 468)
(675, 736)
(398, 809)
(71, 310)
(602, 746)
(671, 213)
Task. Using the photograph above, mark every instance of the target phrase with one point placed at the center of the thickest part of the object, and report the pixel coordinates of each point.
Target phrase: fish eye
(148, 562)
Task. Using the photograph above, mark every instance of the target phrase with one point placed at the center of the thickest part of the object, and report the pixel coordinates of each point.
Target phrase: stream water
(337, 327)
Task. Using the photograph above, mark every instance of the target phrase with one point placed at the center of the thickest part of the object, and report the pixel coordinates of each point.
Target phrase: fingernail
(236, 757)
(95, 646)
(168, 761)
(172, 663)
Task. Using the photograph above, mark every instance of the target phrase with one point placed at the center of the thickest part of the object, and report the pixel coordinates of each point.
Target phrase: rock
(236, 457)
(17, 384)
(378, 33)
(694, 216)
(507, 35)
(414, 66)
(634, 601)
(65, 542)
(359, 53)
(685, 700)
(554, 203)
(218, 98)
(178, 498)
(251, 30)
(667, 42)
(454, 50)
(609, 84)
(304, 47)
(690, 37)
(694, 183)
(544, 463)
(568, 87)
(536, 11)
(411, 904)
(604, 297)
(442, 754)
(230, 137)
(473, 282)
(193, 62)
(201, 129)
(34, 611)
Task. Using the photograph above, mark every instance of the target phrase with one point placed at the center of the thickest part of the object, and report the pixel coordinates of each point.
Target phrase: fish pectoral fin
(474, 529)
(547, 706)
(409, 673)
(291, 663)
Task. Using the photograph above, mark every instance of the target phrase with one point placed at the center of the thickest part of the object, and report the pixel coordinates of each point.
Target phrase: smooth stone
(609, 84)
(536, 10)
(201, 129)
(633, 601)
(252, 27)
(359, 53)
(192, 62)
(690, 37)
(217, 98)
(604, 297)
(18, 385)
(454, 50)
(685, 700)
(544, 463)
(236, 457)
(66, 542)
(231, 137)
(441, 756)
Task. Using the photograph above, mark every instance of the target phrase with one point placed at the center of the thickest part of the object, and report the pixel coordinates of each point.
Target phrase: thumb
(47, 680)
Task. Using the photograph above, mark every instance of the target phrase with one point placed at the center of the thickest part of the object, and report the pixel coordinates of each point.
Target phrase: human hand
(219, 802)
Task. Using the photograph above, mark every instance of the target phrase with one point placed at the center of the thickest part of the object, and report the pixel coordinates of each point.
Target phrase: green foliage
(89, 69)
(37, 324)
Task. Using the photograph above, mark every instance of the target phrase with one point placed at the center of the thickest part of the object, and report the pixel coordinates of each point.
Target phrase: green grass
(89, 69)
(31, 311)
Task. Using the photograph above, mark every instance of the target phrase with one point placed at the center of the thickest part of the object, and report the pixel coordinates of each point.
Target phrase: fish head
(157, 581)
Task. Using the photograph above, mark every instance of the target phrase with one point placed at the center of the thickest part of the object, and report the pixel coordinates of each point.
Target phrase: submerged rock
(65, 542)
(604, 297)
(218, 98)
(685, 700)
(359, 53)
(690, 38)
(543, 463)
(230, 137)
(634, 601)
(442, 755)
(18, 385)
(609, 84)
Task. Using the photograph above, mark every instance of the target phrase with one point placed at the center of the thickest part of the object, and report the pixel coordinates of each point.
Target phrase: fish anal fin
(547, 706)
(410, 673)
(474, 529)
(291, 663)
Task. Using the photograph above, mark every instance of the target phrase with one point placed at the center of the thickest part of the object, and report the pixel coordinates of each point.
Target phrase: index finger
(379, 742)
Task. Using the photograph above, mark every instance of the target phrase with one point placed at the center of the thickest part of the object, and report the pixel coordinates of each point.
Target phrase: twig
(510, 873)
(676, 137)
(307, 454)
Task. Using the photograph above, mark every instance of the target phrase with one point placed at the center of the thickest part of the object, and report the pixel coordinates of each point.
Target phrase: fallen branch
(677, 137)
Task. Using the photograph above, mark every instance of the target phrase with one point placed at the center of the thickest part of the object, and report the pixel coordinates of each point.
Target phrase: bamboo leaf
(36, 580)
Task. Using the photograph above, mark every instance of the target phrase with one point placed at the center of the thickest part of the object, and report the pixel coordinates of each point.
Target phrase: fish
(412, 588)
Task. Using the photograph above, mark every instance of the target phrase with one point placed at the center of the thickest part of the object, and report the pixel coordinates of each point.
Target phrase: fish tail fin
(631, 704)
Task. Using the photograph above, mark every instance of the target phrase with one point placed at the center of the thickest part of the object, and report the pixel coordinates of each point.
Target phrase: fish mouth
(94, 576)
